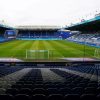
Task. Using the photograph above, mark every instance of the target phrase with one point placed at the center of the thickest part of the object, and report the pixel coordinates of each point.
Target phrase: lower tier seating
(39, 83)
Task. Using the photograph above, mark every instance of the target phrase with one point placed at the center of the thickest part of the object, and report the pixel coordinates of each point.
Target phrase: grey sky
(46, 12)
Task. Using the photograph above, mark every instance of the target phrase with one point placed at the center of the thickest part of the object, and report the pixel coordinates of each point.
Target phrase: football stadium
(45, 43)
(50, 61)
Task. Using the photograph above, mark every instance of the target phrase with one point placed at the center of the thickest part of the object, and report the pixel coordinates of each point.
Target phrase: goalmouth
(37, 54)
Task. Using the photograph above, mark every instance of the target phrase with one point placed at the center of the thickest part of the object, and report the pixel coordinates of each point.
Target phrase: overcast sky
(45, 12)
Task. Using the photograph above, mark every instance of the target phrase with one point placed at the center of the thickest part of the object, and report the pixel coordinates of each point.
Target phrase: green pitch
(58, 48)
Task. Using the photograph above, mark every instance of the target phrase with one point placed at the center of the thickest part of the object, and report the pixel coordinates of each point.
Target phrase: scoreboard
(10, 33)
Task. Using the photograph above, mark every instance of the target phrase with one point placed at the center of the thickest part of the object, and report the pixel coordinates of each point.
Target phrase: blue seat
(90, 90)
(88, 97)
(39, 91)
(72, 97)
(78, 90)
(38, 97)
(53, 91)
(21, 97)
(12, 91)
(25, 91)
(65, 91)
(98, 97)
(55, 97)
(6, 97)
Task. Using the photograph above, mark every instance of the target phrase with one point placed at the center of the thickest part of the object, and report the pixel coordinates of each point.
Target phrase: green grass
(59, 48)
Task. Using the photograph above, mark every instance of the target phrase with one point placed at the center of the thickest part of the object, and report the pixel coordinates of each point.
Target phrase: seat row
(50, 97)
(33, 83)
(62, 91)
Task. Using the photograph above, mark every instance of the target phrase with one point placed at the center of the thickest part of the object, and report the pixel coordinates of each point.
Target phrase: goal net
(37, 54)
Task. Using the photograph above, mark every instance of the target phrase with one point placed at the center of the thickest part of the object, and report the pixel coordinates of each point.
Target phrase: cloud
(45, 12)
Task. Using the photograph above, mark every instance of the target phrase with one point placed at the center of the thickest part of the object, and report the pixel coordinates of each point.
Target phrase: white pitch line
(50, 76)
(85, 75)
(8, 80)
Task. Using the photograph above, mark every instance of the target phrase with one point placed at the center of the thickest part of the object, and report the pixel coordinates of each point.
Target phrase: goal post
(37, 54)
(97, 51)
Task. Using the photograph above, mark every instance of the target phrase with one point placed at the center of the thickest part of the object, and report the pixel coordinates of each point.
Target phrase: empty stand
(50, 83)
(88, 38)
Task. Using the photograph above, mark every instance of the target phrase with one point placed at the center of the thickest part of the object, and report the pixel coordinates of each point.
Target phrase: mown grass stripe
(61, 48)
